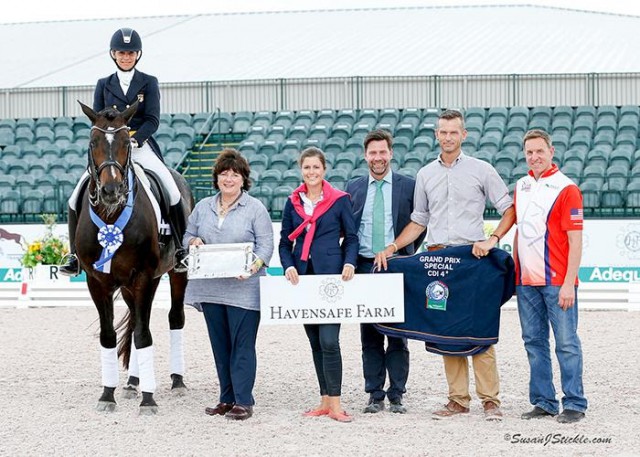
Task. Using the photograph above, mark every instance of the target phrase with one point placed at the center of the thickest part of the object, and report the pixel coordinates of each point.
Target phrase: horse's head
(109, 154)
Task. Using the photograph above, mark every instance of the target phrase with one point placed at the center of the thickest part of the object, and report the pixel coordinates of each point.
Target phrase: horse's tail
(125, 337)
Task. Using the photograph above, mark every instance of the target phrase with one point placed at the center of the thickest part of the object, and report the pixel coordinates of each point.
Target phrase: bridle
(94, 171)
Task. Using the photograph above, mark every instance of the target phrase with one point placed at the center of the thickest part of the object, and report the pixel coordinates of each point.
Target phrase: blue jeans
(538, 307)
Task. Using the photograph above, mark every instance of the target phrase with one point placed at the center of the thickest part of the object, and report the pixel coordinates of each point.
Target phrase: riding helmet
(126, 39)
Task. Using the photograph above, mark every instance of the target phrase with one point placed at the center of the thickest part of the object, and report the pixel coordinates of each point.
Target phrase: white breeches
(147, 160)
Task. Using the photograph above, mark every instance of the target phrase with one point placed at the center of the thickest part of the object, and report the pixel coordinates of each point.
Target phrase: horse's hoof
(106, 406)
(148, 410)
(179, 391)
(129, 392)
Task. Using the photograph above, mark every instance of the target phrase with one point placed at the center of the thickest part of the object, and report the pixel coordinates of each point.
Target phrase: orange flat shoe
(341, 416)
(316, 412)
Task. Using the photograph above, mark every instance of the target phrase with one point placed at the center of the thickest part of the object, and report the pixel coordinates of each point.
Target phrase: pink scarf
(329, 196)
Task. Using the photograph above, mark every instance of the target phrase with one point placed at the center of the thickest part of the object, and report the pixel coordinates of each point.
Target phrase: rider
(120, 90)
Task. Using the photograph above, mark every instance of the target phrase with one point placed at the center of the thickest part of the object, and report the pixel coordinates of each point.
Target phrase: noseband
(95, 171)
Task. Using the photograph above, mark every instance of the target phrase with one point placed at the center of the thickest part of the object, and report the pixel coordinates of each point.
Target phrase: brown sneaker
(492, 411)
(451, 409)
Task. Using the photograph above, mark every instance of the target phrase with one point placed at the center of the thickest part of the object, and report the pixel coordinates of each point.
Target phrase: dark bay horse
(119, 248)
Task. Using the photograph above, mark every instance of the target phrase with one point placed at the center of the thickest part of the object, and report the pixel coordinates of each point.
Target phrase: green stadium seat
(608, 125)
(66, 184)
(563, 113)
(423, 144)
(598, 156)
(58, 168)
(280, 162)
(334, 145)
(585, 112)
(298, 133)
(361, 129)
(408, 171)
(241, 122)
(326, 117)
(519, 171)
(405, 130)
(221, 124)
(81, 123)
(540, 123)
(165, 119)
(346, 116)
(590, 196)
(16, 167)
(414, 159)
(411, 116)
(621, 155)
(24, 136)
(26, 123)
(279, 199)
(329, 158)
(248, 148)
(475, 113)
(471, 143)
(521, 112)
(291, 147)
(254, 178)
(304, 117)
(201, 122)
(50, 202)
(431, 115)
(11, 151)
(583, 126)
(580, 141)
(504, 171)
(181, 120)
(430, 156)
(628, 125)
(604, 140)
(612, 198)
(256, 133)
(346, 161)
(32, 203)
(269, 147)
(338, 177)
(319, 132)
(7, 138)
(292, 177)
(485, 155)
(560, 143)
(164, 134)
(313, 143)
(386, 126)
(427, 129)
(262, 193)
(617, 175)
(185, 134)
(490, 143)
(341, 130)
(629, 110)
(389, 116)
(594, 173)
(401, 146)
(626, 139)
(369, 116)
(63, 135)
(498, 112)
(76, 165)
(633, 197)
(44, 137)
(355, 146)
(8, 124)
(259, 162)
(7, 183)
(474, 125)
(10, 205)
(358, 172)
(38, 168)
(277, 133)
(284, 118)
(543, 113)
(262, 119)
(63, 121)
(271, 178)
(517, 126)
(25, 182)
(561, 126)
(607, 112)
(176, 146)
(506, 158)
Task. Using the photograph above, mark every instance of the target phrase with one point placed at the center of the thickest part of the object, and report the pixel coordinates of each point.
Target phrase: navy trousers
(376, 361)
(233, 332)
(325, 347)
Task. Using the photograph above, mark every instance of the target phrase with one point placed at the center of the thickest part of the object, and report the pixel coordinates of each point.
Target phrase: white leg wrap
(133, 361)
(147, 373)
(110, 374)
(177, 352)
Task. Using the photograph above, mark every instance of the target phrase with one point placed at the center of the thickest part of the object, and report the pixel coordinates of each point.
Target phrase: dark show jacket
(452, 300)
(402, 189)
(144, 89)
(326, 254)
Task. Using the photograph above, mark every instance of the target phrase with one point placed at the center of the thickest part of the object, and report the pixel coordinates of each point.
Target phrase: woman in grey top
(231, 306)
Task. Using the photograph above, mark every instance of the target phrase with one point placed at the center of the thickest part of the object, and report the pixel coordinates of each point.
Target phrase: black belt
(362, 258)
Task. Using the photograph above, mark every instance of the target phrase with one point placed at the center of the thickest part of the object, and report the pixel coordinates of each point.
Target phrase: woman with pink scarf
(315, 219)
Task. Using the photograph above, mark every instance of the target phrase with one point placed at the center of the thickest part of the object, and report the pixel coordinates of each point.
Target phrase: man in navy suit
(119, 91)
(397, 195)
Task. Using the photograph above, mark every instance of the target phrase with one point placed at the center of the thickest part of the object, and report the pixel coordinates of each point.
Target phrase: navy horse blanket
(453, 299)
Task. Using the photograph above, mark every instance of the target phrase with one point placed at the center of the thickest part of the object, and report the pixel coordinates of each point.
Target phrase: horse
(119, 247)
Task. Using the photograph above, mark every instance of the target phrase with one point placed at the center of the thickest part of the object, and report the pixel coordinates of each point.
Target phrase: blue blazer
(401, 204)
(144, 89)
(327, 255)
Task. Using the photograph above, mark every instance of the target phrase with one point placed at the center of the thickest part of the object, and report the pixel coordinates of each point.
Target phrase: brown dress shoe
(219, 410)
(492, 411)
(240, 413)
(451, 409)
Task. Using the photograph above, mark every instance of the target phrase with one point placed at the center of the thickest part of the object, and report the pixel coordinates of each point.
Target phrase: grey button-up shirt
(248, 221)
(450, 201)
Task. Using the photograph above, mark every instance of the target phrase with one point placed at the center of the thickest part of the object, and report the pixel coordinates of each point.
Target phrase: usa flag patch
(576, 214)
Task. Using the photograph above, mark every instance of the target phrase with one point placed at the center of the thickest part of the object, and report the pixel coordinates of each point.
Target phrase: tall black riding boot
(178, 222)
(71, 267)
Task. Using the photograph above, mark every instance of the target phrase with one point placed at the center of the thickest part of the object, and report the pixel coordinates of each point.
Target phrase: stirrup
(181, 264)
(71, 267)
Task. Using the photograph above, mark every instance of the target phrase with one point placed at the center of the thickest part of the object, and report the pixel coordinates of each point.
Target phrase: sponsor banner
(609, 274)
(327, 299)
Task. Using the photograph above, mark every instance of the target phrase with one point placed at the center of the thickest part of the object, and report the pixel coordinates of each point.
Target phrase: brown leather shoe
(492, 411)
(219, 410)
(451, 409)
(240, 413)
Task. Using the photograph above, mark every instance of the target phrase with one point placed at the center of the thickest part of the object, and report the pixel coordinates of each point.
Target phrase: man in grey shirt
(449, 200)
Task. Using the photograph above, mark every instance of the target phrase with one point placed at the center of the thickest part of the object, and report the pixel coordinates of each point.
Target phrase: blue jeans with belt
(376, 361)
(538, 307)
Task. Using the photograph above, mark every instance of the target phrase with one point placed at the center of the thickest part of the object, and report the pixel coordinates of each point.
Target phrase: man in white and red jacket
(547, 251)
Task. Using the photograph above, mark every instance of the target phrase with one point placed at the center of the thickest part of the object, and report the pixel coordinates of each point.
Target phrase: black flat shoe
(536, 413)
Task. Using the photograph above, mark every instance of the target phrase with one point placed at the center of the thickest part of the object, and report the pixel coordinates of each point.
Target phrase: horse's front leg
(176, 329)
(143, 292)
(103, 299)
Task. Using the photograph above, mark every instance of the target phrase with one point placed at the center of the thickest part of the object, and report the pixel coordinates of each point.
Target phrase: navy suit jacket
(402, 188)
(327, 255)
(144, 88)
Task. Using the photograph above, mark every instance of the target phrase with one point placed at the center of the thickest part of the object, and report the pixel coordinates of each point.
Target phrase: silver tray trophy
(220, 260)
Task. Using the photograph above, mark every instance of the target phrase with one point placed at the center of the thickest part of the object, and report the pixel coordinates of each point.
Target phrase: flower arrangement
(48, 250)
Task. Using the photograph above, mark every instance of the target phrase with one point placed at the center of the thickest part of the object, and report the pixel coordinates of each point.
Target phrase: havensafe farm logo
(331, 290)
(628, 240)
